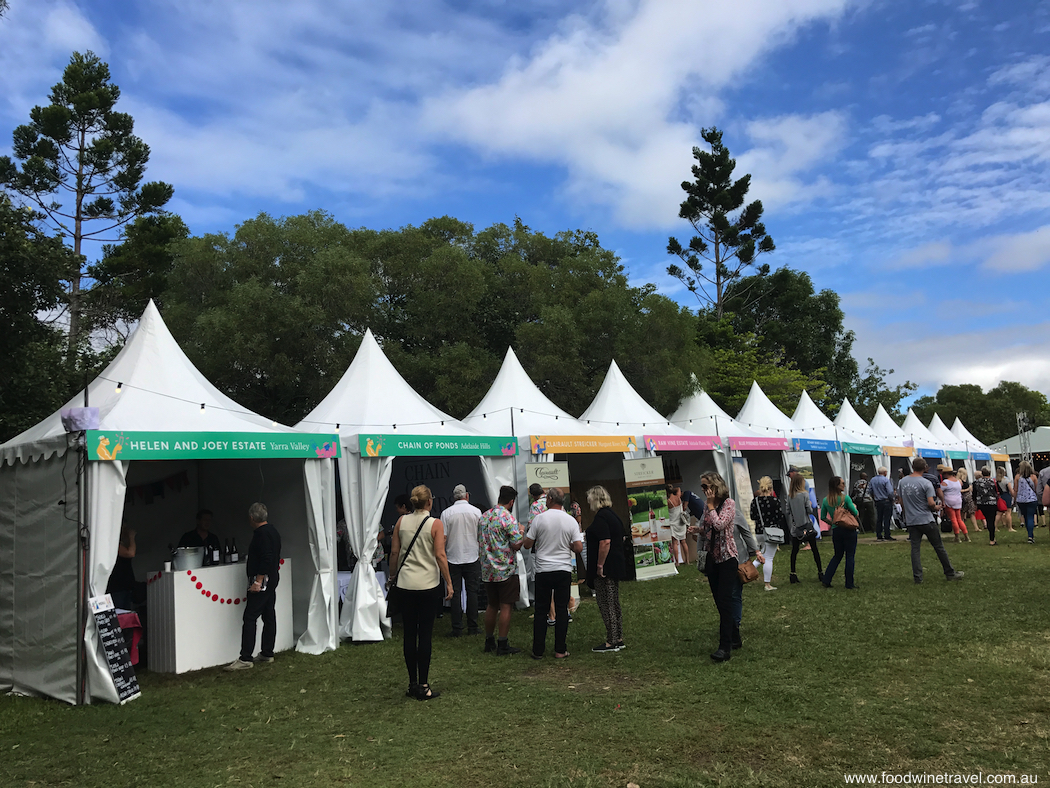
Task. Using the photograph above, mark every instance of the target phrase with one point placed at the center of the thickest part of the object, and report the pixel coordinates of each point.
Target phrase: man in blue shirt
(881, 489)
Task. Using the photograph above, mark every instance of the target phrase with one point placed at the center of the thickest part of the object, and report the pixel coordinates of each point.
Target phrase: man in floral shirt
(500, 536)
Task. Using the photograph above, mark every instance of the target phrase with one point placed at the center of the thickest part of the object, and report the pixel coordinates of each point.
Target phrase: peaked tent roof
(883, 425)
(849, 419)
(701, 415)
(919, 433)
(533, 414)
(618, 409)
(963, 434)
(371, 396)
(940, 431)
(762, 416)
(810, 422)
(160, 390)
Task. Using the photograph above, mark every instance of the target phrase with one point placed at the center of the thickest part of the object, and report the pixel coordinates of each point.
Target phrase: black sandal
(412, 691)
(423, 692)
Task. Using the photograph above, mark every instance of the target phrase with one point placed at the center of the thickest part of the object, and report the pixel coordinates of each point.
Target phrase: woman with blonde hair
(420, 569)
(969, 508)
(953, 502)
(766, 512)
(1024, 490)
(678, 521)
(802, 531)
(717, 536)
(606, 565)
(1006, 492)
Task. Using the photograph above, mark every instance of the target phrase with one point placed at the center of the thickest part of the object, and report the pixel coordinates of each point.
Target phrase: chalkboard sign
(112, 639)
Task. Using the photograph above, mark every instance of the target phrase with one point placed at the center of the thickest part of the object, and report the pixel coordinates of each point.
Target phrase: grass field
(938, 678)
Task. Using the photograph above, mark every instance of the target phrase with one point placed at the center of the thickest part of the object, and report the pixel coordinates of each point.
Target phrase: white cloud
(983, 356)
(603, 97)
(36, 41)
(1017, 253)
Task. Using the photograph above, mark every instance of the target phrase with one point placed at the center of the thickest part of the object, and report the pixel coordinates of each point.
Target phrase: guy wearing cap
(461, 545)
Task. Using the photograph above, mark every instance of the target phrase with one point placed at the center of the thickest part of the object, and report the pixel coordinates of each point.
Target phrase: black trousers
(262, 604)
(723, 580)
(559, 586)
(417, 615)
(797, 543)
(990, 512)
(468, 575)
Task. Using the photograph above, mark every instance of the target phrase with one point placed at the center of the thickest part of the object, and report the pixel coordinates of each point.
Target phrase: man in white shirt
(461, 547)
(553, 535)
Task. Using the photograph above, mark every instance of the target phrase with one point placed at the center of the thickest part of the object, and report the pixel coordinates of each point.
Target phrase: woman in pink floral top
(716, 525)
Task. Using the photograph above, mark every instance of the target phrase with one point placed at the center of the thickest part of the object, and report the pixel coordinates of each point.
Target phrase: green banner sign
(118, 445)
(958, 455)
(395, 445)
(861, 448)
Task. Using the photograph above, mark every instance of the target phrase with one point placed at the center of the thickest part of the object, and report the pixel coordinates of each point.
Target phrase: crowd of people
(467, 550)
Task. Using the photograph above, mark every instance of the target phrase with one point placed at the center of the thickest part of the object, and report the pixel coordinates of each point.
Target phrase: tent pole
(82, 554)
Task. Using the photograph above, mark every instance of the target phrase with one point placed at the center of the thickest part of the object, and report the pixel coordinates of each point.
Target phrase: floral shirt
(497, 531)
(539, 505)
(718, 526)
(984, 492)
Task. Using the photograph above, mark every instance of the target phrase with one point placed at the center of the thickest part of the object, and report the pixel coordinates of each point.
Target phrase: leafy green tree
(990, 417)
(274, 313)
(872, 390)
(739, 359)
(82, 166)
(729, 235)
(805, 327)
(134, 271)
(32, 267)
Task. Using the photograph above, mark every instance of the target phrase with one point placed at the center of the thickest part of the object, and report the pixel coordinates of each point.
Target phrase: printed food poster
(650, 528)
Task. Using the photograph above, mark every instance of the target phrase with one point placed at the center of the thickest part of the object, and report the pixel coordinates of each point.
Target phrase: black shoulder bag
(395, 598)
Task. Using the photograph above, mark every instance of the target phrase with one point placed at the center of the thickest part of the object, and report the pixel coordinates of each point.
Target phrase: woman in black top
(766, 512)
(986, 497)
(606, 565)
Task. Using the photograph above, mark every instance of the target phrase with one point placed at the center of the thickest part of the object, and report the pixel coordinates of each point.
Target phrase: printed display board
(111, 637)
(745, 493)
(650, 527)
(548, 474)
(395, 445)
(898, 451)
(121, 445)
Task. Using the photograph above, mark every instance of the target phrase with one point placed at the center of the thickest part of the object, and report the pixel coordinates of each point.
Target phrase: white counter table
(195, 616)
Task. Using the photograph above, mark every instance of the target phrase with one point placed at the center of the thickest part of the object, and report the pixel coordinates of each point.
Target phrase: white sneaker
(240, 664)
(771, 588)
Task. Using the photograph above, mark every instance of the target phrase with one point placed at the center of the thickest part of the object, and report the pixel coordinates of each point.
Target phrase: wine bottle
(226, 552)
(234, 558)
(215, 550)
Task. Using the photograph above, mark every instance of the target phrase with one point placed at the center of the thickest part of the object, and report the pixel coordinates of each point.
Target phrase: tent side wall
(38, 577)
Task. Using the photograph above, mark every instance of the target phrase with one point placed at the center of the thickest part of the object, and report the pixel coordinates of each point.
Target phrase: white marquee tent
(373, 398)
(46, 637)
(515, 406)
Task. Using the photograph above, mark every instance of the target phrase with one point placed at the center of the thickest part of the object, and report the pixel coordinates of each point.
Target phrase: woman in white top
(952, 489)
(678, 520)
(419, 574)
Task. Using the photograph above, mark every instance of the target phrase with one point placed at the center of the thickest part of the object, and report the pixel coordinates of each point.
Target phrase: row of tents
(159, 426)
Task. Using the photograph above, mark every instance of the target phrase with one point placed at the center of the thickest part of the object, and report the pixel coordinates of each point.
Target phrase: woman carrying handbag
(416, 589)
(770, 527)
(840, 512)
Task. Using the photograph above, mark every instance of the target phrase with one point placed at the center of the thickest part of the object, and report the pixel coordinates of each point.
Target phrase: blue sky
(901, 149)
